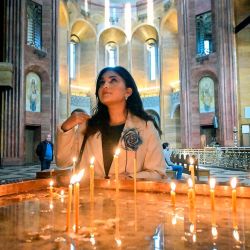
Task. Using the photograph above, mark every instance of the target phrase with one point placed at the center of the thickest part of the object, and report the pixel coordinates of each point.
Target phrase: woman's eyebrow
(114, 76)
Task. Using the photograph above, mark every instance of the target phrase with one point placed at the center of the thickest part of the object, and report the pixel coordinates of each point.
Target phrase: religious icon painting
(33, 92)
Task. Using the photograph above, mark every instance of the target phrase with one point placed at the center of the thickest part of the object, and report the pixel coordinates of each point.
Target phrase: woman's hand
(76, 118)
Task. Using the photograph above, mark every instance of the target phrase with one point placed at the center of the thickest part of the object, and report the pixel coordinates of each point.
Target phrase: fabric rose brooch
(131, 139)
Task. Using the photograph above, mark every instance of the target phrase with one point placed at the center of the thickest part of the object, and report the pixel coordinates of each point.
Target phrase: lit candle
(135, 171)
(233, 185)
(212, 186)
(74, 165)
(117, 152)
(117, 224)
(191, 195)
(72, 181)
(76, 203)
(214, 227)
(214, 231)
(51, 183)
(135, 213)
(62, 195)
(236, 235)
(92, 177)
(173, 186)
(174, 218)
(191, 169)
(76, 197)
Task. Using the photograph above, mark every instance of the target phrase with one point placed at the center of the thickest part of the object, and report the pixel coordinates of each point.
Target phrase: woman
(118, 121)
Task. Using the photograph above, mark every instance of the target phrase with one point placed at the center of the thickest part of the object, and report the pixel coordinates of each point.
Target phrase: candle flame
(236, 235)
(92, 160)
(214, 231)
(73, 179)
(92, 239)
(233, 183)
(51, 183)
(173, 186)
(118, 242)
(80, 175)
(194, 237)
(191, 228)
(74, 160)
(212, 183)
(174, 220)
(51, 206)
(190, 183)
(191, 161)
(62, 192)
(117, 152)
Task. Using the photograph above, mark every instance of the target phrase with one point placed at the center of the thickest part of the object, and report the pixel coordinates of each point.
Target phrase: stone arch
(118, 36)
(139, 59)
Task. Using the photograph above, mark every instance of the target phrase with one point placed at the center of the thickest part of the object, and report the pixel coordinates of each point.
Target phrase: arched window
(204, 34)
(206, 95)
(34, 24)
(151, 58)
(72, 59)
(111, 54)
(72, 56)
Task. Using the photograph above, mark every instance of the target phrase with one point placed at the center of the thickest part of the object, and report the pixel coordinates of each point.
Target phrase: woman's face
(113, 89)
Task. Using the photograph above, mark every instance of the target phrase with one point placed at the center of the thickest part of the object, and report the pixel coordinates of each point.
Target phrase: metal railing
(237, 158)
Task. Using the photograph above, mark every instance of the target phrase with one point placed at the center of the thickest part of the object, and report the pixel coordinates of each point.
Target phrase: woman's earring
(126, 98)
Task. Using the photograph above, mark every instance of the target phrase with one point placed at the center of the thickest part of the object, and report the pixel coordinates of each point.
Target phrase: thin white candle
(117, 152)
(173, 186)
(92, 176)
(233, 185)
(212, 183)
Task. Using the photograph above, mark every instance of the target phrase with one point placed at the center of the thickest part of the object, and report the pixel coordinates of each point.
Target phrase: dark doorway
(32, 138)
(208, 135)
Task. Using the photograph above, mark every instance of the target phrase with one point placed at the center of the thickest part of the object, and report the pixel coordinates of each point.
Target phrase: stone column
(183, 7)
(12, 107)
(227, 92)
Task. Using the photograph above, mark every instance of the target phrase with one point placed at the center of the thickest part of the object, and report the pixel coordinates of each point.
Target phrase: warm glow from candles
(214, 232)
(74, 165)
(51, 206)
(174, 219)
(117, 152)
(190, 183)
(51, 183)
(212, 186)
(191, 161)
(191, 228)
(92, 160)
(73, 179)
(62, 192)
(212, 183)
(233, 183)
(236, 235)
(92, 239)
(91, 177)
(173, 186)
(79, 175)
(118, 242)
(194, 237)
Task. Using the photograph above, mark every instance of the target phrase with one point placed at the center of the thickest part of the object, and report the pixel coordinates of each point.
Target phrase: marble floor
(9, 174)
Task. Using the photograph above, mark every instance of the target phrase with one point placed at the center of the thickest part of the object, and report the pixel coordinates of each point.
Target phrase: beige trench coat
(150, 158)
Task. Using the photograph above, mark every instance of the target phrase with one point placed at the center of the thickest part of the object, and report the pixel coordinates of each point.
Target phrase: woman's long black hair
(100, 120)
